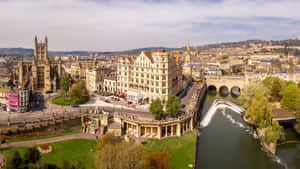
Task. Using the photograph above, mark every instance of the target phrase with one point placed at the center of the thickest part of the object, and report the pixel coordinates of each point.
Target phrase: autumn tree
(160, 160)
(274, 84)
(79, 90)
(114, 153)
(259, 110)
(250, 91)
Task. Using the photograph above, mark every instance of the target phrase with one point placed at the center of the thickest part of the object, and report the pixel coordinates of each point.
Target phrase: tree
(290, 97)
(32, 155)
(65, 84)
(160, 160)
(114, 153)
(15, 160)
(173, 105)
(274, 84)
(79, 90)
(299, 85)
(156, 108)
(250, 91)
(259, 110)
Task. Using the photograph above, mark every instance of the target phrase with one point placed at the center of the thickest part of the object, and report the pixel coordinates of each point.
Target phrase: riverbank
(270, 147)
(182, 149)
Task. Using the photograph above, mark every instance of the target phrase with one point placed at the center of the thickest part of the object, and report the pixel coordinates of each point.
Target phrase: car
(93, 95)
(107, 101)
(75, 105)
(182, 105)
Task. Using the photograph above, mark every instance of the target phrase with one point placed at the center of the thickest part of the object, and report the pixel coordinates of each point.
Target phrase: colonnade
(157, 130)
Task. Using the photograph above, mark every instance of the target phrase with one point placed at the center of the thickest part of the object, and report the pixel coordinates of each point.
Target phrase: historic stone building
(41, 74)
(149, 76)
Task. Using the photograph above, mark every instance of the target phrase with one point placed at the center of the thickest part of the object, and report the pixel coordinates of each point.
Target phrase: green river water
(228, 143)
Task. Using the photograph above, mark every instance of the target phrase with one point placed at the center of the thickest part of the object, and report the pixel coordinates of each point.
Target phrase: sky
(111, 25)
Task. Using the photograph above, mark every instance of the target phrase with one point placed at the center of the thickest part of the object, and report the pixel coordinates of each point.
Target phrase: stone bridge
(226, 82)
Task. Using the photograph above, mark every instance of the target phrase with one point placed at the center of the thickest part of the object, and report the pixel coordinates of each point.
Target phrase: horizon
(113, 25)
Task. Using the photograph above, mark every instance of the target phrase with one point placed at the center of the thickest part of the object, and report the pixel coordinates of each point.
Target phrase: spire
(188, 45)
(46, 39)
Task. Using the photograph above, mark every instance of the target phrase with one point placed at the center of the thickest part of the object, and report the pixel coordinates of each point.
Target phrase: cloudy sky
(108, 25)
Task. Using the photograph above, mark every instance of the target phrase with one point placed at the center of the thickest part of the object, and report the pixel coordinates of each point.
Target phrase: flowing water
(229, 143)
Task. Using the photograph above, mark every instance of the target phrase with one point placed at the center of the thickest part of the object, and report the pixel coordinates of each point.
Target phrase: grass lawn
(61, 100)
(43, 137)
(71, 150)
(181, 148)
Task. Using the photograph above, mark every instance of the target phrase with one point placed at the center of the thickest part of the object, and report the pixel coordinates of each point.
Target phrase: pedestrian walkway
(49, 140)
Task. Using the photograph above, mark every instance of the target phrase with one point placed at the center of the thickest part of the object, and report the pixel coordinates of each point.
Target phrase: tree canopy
(259, 110)
(156, 108)
(250, 91)
(274, 84)
(112, 152)
(173, 105)
(65, 84)
(290, 97)
(78, 90)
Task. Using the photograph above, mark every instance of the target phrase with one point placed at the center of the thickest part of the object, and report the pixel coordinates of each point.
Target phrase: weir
(219, 103)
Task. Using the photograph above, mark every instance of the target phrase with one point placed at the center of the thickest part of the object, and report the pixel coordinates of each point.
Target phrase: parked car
(75, 105)
(182, 105)
(107, 101)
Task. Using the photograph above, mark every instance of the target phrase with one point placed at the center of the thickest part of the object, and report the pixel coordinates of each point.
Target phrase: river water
(228, 143)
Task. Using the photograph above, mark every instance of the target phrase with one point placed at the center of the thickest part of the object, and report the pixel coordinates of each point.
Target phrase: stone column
(138, 130)
(191, 124)
(151, 132)
(166, 131)
(159, 132)
(178, 133)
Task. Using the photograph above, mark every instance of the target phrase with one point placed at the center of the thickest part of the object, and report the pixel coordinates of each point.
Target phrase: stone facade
(155, 75)
(42, 74)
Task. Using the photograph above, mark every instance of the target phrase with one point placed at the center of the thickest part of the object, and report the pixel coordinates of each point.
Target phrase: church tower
(41, 66)
(187, 67)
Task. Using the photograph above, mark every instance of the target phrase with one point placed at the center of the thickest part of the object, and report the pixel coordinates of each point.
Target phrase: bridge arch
(235, 91)
(212, 90)
(224, 91)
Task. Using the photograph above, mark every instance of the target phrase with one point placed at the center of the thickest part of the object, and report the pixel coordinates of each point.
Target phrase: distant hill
(29, 52)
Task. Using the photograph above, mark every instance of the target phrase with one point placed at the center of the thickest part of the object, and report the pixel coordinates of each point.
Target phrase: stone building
(42, 74)
(151, 76)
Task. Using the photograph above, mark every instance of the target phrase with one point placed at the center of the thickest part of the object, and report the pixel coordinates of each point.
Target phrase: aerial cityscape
(150, 84)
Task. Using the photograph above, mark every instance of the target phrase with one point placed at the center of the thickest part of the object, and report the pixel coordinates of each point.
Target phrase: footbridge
(217, 104)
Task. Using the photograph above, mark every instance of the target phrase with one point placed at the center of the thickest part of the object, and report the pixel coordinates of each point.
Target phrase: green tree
(15, 160)
(249, 92)
(290, 97)
(32, 155)
(65, 84)
(274, 84)
(156, 108)
(79, 90)
(259, 110)
(173, 105)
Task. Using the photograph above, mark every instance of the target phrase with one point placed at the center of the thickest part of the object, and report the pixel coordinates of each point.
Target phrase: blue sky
(108, 25)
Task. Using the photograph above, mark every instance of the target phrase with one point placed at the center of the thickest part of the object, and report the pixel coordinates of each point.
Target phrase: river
(229, 143)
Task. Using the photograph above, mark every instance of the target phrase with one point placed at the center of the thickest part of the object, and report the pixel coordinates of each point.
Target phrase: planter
(44, 149)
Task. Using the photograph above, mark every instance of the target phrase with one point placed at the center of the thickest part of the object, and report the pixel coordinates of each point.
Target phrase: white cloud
(118, 24)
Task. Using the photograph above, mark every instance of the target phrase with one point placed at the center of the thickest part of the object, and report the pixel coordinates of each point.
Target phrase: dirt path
(49, 140)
